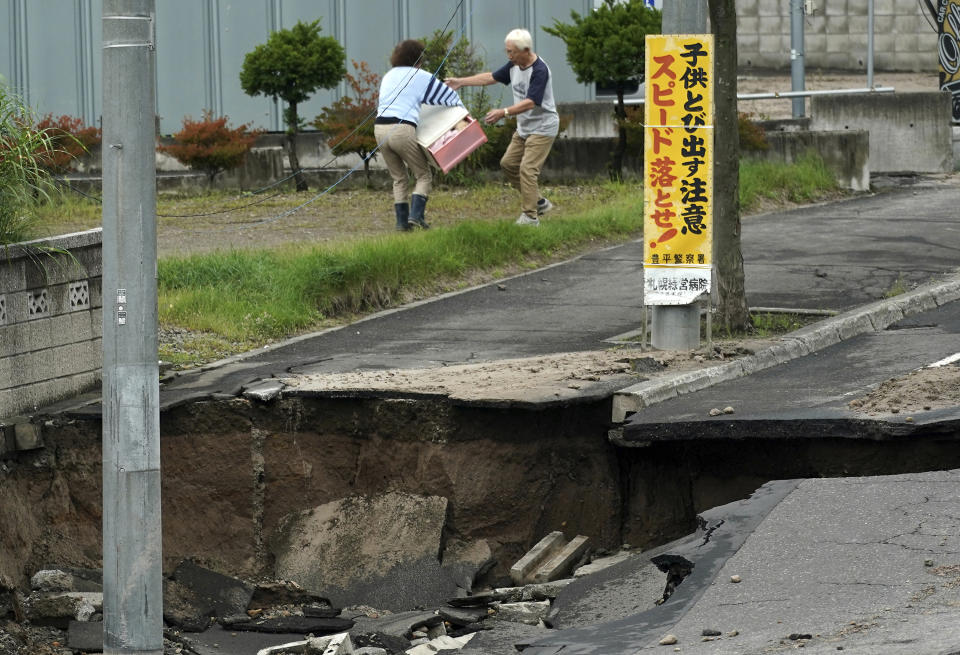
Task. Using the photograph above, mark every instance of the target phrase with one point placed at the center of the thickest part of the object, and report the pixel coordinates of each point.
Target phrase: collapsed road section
(326, 489)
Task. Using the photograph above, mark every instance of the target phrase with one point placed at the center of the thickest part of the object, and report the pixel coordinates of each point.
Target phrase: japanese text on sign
(678, 168)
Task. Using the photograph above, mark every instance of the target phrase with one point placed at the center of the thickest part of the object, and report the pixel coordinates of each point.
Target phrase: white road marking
(946, 360)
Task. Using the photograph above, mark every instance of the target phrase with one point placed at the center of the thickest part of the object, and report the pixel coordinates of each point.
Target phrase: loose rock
(668, 640)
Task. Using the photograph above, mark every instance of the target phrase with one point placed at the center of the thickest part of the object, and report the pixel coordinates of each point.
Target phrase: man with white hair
(537, 119)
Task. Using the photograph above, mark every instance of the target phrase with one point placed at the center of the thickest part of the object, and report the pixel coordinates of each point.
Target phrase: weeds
(805, 180)
(898, 287)
(24, 182)
(770, 324)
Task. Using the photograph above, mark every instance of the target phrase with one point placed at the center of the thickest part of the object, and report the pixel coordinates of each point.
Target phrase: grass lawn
(238, 271)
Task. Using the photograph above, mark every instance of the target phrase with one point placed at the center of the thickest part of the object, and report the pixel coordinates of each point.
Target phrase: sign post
(678, 189)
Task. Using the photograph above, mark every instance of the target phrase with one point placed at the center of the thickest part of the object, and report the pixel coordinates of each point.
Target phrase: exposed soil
(555, 376)
(922, 390)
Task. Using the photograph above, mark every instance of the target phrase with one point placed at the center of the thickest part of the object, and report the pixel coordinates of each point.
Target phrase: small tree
(209, 145)
(70, 139)
(607, 46)
(462, 60)
(348, 122)
(291, 66)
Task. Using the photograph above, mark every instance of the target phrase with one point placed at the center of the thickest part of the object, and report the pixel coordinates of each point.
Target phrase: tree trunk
(292, 129)
(732, 311)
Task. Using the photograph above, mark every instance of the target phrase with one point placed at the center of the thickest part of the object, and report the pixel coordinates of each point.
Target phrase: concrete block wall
(587, 120)
(835, 36)
(587, 158)
(908, 131)
(845, 154)
(50, 321)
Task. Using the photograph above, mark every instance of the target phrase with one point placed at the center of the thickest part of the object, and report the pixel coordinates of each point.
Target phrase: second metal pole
(677, 327)
(797, 80)
(870, 17)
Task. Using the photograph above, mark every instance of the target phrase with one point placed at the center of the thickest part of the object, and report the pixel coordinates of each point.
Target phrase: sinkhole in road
(233, 469)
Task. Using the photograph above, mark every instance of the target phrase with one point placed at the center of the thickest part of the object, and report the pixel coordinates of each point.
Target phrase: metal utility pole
(677, 327)
(797, 79)
(132, 567)
(870, 23)
(684, 17)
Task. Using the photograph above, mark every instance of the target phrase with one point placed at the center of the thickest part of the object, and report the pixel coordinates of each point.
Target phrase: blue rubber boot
(418, 204)
(403, 216)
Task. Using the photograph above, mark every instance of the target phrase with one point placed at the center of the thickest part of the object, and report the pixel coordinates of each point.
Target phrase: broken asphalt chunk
(224, 594)
(301, 625)
(462, 616)
(287, 592)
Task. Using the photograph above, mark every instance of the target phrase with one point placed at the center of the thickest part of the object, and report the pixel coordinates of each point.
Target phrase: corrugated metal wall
(52, 53)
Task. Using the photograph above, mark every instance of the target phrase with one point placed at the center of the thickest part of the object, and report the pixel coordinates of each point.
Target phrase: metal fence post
(797, 77)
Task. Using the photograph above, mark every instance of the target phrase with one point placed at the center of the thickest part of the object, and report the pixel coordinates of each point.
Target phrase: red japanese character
(665, 61)
(661, 173)
(660, 138)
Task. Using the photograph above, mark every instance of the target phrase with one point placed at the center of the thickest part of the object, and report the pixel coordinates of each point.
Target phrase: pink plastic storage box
(451, 149)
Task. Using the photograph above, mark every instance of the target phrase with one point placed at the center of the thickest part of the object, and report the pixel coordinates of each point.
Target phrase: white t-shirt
(532, 82)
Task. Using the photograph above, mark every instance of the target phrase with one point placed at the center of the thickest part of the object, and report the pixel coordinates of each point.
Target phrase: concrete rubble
(68, 602)
(390, 551)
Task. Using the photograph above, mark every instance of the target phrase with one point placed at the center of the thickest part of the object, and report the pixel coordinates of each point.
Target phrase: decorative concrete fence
(50, 321)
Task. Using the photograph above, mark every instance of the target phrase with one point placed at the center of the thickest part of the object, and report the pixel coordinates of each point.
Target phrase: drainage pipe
(791, 94)
(824, 92)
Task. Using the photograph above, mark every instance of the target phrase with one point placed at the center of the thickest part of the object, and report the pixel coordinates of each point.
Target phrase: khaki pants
(400, 150)
(522, 163)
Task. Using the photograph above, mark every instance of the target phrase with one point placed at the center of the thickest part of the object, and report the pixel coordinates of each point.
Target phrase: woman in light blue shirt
(403, 89)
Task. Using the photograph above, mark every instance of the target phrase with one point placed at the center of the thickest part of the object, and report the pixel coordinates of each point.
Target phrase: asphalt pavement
(858, 564)
(867, 564)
